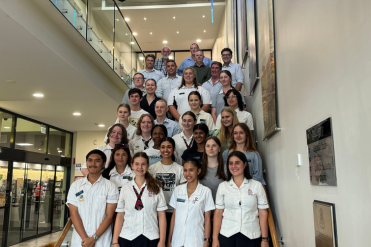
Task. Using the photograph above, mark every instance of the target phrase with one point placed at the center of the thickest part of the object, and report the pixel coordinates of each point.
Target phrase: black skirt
(239, 240)
(140, 241)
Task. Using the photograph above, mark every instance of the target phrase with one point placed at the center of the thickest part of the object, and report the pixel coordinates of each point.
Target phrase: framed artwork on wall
(251, 44)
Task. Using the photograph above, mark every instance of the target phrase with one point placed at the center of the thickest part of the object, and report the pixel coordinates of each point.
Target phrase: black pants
(239, 240)
(140, 241)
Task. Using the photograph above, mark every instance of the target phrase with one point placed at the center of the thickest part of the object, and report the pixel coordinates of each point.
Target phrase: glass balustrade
(103, 26)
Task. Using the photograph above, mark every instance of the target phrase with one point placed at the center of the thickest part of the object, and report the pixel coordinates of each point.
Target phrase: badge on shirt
(181, 93)
(81, 198)
(203, 121)
(180, 200)
(150, 194)
(249, 160)
(249, 192)
(79, 193)
(126, 177)
(136, 148)
(195, 200)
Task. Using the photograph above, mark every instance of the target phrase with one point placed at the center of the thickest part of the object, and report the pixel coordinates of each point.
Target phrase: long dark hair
(243, 158)
(112, 162)
(238, 95)
(220, 173)
(124, 138)
(153, 185)
(171, 140)
(202, 127)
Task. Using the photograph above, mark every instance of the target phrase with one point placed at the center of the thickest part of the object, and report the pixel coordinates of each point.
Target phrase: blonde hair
(195, 83)
(224, 133)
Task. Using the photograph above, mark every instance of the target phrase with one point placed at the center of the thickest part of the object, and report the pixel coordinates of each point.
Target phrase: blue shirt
(167, 84)
(153, 74)
(188, 62)
(214, 89)
(236, 71)
(171, 126)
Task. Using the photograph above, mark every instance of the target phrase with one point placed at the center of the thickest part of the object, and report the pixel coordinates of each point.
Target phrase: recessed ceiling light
(173, 17)
(39, 148)
(198, 40)
(177, 31)
(101, 125)
(38, 95)
(165, 42)
(132, 42)
(6, 127)
(203, 16)
(59, 151)
(150, 33)
(134, 34)
(24, 144)
(77, 114)
(141, 58)
(127, 19)
(204, 31)
(145, 18)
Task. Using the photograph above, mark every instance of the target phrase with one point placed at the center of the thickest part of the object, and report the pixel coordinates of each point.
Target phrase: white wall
(323, 70)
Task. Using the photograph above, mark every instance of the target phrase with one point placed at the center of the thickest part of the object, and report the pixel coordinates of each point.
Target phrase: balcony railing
(106, 30)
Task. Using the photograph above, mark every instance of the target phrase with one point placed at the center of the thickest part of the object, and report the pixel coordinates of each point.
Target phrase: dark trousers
(140, 241)
(238, 240)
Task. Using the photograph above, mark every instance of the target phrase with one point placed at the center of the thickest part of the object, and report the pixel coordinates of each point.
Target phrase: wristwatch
(266, 239)
(207, 239)
(95, 237)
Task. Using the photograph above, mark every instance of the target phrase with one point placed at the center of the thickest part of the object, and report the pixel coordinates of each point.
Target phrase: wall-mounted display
(325, 224)
(321, 154)
(267, 66)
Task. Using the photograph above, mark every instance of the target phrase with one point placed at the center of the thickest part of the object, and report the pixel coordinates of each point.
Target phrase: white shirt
(91, 200)
(180, 146)
(135, 115)
(154, 155)
(189, 228)
(107, 150)
(137, 145)
(236, 71)
(166, 85)
(241, 207)
(121, 179)
(140, 222)
(202, 117)
(243, 117)
(181, 98)
(169, 176)
(130, 131)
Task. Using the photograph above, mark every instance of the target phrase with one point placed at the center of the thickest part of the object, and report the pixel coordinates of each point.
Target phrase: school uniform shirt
(218, 99)
(107, 150)
(167, 84)
(121, 179)
(195, 155)
(236, 71)
(171, 126)
(189, 228)
(140, 222)
(180, 145)
(180, 96)
(150, 108)
(137, 145)
(243, 117)
(241, 207)
(202, 118)
(130, 131)
(154, 155)
(91, 200)
(135, 115)
(170, 177)
(255, 164)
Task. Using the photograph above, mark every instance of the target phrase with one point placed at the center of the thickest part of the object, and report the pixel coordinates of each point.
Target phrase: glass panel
(3, 183)
(16, 203)
(59, 143)
(180, 56)
(207, 54)
(30, 136)
(6, 121)
(33, 190)
(59, 197)
(46, 200)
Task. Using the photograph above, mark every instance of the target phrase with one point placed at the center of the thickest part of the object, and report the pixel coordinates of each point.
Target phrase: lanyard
(185, 142)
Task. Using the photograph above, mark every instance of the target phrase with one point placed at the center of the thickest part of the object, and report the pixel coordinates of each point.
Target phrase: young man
(92, 203)
(190, 61)
(160, 63)
(149, 72)
(135, 96)
(138, 80)
(213, 84)
(161, 109)
(170, 82)
(203, 72)
(234, 68)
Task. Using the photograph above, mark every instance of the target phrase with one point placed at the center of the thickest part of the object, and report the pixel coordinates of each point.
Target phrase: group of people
(179, 178)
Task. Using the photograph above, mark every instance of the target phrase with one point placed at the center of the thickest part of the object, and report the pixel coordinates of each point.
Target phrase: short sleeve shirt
(137, 145)
(167, 84)
(236, 71)
(135, 115)
(171, 126)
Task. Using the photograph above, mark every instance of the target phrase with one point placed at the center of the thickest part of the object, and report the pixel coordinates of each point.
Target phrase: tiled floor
(37, 242)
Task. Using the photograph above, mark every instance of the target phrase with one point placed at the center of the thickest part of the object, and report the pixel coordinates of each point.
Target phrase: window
(30, 136)
(59, 143)
(6, 122)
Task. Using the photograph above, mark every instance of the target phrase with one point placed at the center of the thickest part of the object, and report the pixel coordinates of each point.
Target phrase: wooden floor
(37, 242)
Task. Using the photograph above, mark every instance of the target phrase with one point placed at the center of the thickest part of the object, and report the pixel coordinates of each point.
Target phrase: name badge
(181, 93)
(128, 178)
(203, 121)
(249, 160)
(180, 200)
(150, 194)
(79, 193)
(136, 148)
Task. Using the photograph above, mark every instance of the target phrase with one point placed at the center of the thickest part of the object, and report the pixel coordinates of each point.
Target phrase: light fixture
(38, 95)
(117, 19)
(145, 18)
(132, 42)
(177, 31)
(165, 42)
(24, 144)
(127, 19)
(170, 57)
(150, 33)
(76, 114)
(198, 40)
(59, 151)
(6, 127)
(101, 125)
(39, 148)
(141, 58)
(134, 34)
(203, 16)
(173, 17)
(204, 31)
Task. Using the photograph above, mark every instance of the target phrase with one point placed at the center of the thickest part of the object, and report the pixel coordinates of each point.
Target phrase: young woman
(200, 133)
(149, 100)
(116, 134)
(243, 141)
(192, 203)
(184, 140)
(158, 133)
(123, 114)
(118, 170)
(168, 172)
(179, 96)
(228, 120)
(194, 101)
(212, 170)
(140, 220)
(143, 140)
(241, 215)
(233, 99)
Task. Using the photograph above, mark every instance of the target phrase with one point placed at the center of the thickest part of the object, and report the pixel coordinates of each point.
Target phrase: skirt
(239, 240)
(140, 241)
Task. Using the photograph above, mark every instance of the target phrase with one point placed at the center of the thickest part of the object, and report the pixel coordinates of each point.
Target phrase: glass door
(46, 199)
(3, 184)
(59, 198)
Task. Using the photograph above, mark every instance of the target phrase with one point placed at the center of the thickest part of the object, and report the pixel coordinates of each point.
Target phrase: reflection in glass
(30, 136)
(6, 121)
(46, 200)
(59, 143)
(59, 197)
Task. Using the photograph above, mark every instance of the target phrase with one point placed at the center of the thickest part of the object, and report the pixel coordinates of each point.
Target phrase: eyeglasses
(137, 78)
(232, 97)
(121, 145)
(226, 55)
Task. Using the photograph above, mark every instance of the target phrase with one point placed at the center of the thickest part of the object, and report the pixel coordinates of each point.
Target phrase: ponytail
(153, 185)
